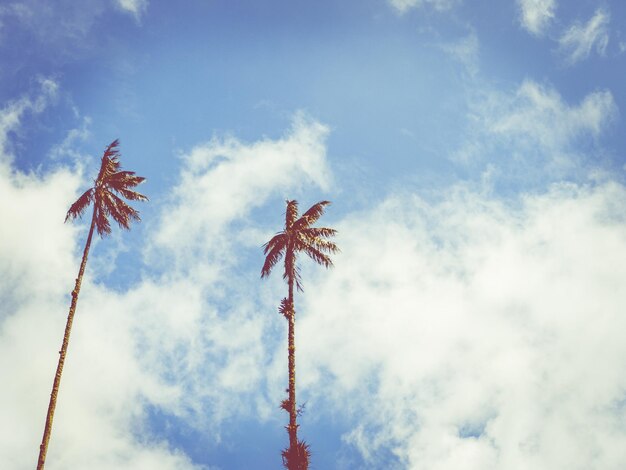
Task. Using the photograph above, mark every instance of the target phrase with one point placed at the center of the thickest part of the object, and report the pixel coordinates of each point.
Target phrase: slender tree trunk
(43, 448)
(293, 427)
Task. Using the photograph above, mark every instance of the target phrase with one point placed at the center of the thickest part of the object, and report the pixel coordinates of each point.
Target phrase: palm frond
(298, 279)
(103, 227)
(77, 209)
(125, 179)
(110, 162)
(324, 246)
(286, 308)
(107, 169)
(278, 239)
(131, 195)
(112, 149)
(290, 263)
(111, 167)
(321, 232)
(291, 213)
(317, 256)
(271, 259)
(121, 212)
(292, 271)
(311, 216)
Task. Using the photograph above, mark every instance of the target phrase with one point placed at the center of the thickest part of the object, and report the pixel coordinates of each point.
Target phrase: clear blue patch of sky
(249, 443)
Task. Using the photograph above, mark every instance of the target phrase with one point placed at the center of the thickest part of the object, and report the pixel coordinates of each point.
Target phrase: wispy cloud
(404, 5)
(134, 7)
(536, 15)
(465, 51)
(539, 112)
(58, 21)
(534, 132)
(63, 26)
(11, 114)
(578, 40)
(67, 148)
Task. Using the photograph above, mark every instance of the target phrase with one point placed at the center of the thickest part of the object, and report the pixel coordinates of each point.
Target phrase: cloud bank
(468, 332)
(183, 343)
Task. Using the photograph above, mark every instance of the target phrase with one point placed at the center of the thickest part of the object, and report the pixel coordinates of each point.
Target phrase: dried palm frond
(298, 457)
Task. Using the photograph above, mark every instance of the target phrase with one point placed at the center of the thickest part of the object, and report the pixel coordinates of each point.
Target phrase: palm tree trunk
(293, 427)
(43, 448)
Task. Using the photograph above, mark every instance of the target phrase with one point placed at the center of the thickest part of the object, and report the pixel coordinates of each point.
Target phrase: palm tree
(297, 236)
(110, 182)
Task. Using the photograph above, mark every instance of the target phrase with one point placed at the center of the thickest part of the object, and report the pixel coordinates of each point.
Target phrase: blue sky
(475, 158)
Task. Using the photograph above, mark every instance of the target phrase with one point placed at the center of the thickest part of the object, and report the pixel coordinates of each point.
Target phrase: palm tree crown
(298, 236)
(104, 194)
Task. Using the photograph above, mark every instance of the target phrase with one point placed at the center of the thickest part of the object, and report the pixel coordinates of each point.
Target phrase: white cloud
(578, 40)
(536, 15)
(11, 114)
(28, 203)
(79, 134)
(534, 132)
(468, 332)
(64, 25)
(403, 6)
(55, 22)
(134, 7)
(226, 178)
(539, 112)
(465, 51)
